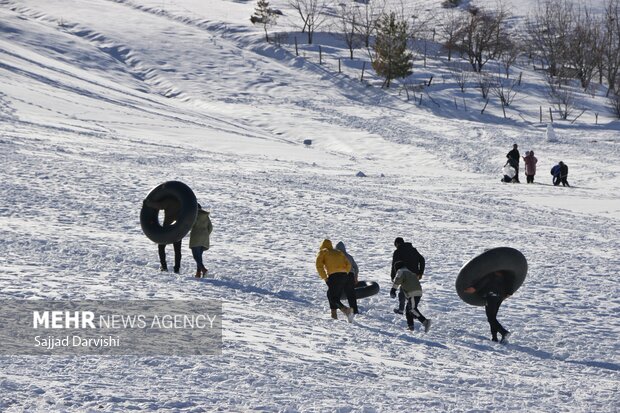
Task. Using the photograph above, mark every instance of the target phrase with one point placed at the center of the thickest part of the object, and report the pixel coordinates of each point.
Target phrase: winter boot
(335, 314)
(427, 325)
(204, 271)
(350, 315)
(398, 311)
(198, 273)
(505, 337)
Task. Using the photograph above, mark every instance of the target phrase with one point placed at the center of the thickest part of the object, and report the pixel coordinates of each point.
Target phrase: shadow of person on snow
(251, 289)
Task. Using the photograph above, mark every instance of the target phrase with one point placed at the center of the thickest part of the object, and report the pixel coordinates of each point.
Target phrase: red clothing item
(530, 164)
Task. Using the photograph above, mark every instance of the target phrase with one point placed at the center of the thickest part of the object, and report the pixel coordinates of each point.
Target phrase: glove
(393, 293)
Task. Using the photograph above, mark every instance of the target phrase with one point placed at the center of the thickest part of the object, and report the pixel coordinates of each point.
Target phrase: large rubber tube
(187, 213)
(364, 289)
(508, 260)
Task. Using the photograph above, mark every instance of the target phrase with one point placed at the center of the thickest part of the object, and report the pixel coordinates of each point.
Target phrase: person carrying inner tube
(199, 239)
(333, 268)
(409, 284)
(351, 277)
(412, 259)
(495, 288)
(171, 207)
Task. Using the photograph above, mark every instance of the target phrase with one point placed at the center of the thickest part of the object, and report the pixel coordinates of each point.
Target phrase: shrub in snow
(361, 174)
(264, 16)
(393, 59)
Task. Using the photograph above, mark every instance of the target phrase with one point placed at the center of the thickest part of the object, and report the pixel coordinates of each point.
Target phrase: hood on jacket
(340, 246)
(327, 244)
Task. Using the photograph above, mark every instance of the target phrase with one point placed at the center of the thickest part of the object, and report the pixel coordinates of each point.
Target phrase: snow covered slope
(102, 100)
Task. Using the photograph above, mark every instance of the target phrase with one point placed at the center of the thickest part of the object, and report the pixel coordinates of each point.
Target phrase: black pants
(530, 179)
(564, 181)
(516, 177)
(337, 283)
(556, 180)
(401, 300)
(492, 307)
(177, 255)
(412, 311)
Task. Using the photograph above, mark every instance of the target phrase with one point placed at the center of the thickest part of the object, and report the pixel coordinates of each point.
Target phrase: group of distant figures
(511, 168)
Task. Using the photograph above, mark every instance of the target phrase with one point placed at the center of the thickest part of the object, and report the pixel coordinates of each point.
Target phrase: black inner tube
(183, 198)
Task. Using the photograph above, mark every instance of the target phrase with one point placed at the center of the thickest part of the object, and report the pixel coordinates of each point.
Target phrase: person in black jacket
(514, 156)
(495, 288)
(563, 174)
(412, 259)
(171, 207)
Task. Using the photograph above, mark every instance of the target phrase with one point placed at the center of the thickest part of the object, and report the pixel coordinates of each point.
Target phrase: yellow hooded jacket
(330, 261)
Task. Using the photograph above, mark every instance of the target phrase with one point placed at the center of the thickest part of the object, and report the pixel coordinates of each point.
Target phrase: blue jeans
(197, 253)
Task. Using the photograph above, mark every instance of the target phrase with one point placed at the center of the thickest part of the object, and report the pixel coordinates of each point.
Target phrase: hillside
(101, 100)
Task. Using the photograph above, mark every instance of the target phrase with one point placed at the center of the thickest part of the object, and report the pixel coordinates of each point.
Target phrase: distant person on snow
(515, 156)
(413, 261)
(409, 284)
(509, 171)
(495, 288)
(333, 268)
(530, 166)
(352, 276)
(563, 173)
(199, 239)
(171, 207)
(555, 173)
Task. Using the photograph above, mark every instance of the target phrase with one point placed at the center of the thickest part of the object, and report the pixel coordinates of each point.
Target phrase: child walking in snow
(409, 284)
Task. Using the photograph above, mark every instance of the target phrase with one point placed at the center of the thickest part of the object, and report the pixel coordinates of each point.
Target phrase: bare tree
(483, 36)
(460, 74)
(563, 98)
(450, 27)
(549, 29)
(347, 26)
(510, 53)
(505, 90)
(614, 104)
(584, 48)
(485, 82)
(368, 15)
(611, 43)
(312, 13)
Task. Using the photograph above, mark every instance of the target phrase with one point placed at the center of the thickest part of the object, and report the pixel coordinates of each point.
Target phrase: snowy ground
(102, 100)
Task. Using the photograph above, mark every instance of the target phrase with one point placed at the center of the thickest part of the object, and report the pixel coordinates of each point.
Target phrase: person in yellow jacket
(333, 268)
(199, 239)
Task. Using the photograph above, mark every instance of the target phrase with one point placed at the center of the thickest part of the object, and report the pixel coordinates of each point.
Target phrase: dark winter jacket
(410, 256)
(500, 285)
(170, 205)
(563, 170)
(514, 154)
